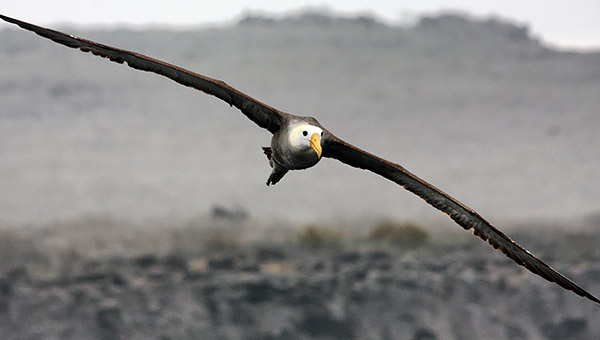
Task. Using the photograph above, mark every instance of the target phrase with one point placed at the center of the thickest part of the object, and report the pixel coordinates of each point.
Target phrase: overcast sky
(558, 22)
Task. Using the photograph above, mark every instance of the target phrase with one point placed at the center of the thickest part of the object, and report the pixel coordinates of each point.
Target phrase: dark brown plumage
(276, 122)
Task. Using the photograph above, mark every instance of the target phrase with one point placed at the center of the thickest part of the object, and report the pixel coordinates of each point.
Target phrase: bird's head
(305, 138)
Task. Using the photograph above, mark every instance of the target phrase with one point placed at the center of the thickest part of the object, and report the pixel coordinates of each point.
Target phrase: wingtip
(593, 298)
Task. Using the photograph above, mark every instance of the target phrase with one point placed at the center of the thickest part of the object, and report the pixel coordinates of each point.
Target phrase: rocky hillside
(442, 289)
(476, 106)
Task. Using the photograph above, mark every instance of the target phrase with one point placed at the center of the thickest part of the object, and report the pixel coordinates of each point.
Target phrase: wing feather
(263, 115)
(460, 213)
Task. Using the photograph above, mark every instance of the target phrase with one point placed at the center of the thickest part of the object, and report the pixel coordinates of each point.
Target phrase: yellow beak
(315, 144)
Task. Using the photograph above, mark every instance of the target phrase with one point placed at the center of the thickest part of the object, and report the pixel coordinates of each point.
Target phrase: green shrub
(313, 236)
(403, 235)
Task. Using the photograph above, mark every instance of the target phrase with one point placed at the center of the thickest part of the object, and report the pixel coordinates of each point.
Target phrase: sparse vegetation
(314, 237)
(399, 234)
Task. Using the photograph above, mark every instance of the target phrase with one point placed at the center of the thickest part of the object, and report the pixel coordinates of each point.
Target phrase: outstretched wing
(263, 115)
(460, 213)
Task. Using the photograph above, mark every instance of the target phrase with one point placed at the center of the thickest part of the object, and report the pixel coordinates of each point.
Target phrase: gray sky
(573, 24)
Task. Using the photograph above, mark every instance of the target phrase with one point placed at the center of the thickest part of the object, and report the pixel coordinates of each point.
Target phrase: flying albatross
(299, 142)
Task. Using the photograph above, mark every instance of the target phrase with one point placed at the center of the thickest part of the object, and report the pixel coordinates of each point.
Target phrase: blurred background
(112, 177)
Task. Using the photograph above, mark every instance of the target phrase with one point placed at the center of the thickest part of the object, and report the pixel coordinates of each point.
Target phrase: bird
(300, 142)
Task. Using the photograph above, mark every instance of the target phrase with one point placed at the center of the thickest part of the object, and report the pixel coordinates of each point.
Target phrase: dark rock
(271, 335)
(349, 257)
(356, 275)
(5, 287)
(146, 261)
(565, 329)
(478, 266)
(516, 332)
(109, 319)
(207, 296)
(250, 268)
(5, 293)
(242, 316)
(258, 291)
(160, 274)
(378, 255)
(424, 334)
(176, 262)
(222, 262)
(436, 267)
(90, 277)
(16, 273)
(78, 295)
(383, 265)
(379, 259)
(118, 279)
(318, 266)
(318, 322)
(270, 254)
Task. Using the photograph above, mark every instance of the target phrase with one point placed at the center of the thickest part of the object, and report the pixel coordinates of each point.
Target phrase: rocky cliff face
(281, 292)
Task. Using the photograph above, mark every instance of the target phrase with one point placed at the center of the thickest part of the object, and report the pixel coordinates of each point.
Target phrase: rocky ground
(460, 290)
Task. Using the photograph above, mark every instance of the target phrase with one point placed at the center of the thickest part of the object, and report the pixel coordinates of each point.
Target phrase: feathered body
(293, 146)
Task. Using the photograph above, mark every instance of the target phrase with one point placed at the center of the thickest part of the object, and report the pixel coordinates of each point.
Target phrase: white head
(306, 138)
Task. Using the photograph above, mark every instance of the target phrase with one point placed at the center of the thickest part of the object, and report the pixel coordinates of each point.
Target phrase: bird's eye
(305, 133)
(321, 133)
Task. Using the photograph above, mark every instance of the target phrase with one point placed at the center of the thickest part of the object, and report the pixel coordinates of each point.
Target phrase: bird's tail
(268, 152)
